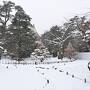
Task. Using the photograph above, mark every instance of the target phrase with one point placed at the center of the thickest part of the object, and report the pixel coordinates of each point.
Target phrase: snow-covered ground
(58, 76)
(84, 56)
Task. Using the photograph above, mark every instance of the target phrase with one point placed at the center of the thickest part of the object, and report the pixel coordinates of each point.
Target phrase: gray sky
(46, 13)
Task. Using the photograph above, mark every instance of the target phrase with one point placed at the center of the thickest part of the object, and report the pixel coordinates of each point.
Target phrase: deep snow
(58, 76)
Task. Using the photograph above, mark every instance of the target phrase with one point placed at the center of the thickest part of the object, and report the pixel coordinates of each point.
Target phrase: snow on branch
(56, 36)
(66, 29)
(52, 41)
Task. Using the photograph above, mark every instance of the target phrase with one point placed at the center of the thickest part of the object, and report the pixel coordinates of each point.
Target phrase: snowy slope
(45, 77)
(84, 56)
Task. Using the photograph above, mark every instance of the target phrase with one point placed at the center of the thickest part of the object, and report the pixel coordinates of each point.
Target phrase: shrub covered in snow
(40, 53)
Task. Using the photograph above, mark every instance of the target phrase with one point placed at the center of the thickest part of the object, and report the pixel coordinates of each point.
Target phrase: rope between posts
(48, 80)
(36, 63)
(31, 63)
(73, 76)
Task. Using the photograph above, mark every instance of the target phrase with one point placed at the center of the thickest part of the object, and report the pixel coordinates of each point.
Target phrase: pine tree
(6, 15)
(20, 38)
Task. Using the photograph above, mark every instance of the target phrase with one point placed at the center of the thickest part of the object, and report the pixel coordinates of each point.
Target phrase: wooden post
(85, 80)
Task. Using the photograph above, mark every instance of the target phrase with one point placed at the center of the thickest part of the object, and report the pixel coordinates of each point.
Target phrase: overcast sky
(46, 13)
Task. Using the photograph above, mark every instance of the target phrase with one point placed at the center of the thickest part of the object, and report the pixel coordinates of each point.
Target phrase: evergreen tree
(6, 15)
(20, 38)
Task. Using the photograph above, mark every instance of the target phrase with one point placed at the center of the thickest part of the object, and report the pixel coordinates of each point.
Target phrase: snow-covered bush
(40, 53)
